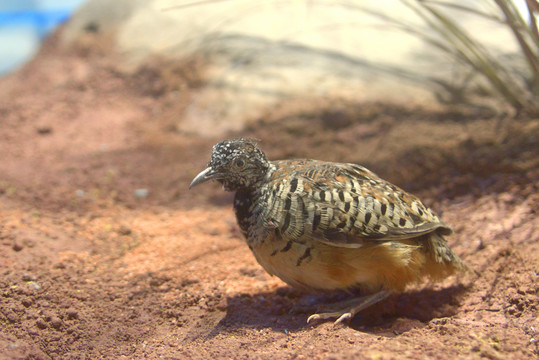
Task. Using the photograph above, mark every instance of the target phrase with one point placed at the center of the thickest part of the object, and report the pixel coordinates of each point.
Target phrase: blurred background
(24, 24)
(398, 50)
(258, 53)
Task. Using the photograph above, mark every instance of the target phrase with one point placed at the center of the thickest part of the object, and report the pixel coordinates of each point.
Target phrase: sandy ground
(91, 270)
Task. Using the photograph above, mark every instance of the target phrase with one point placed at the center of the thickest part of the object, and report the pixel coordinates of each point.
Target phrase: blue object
(24, 24)
(44, 21)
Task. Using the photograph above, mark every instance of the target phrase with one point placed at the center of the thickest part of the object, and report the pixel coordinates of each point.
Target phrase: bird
(322, 226)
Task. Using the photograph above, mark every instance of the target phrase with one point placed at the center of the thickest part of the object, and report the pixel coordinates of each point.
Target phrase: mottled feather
(322, 225)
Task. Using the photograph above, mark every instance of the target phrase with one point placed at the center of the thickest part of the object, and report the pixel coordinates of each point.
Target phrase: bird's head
(237, 163)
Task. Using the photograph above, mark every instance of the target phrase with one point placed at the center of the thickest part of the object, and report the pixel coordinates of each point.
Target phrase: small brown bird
(327, 226)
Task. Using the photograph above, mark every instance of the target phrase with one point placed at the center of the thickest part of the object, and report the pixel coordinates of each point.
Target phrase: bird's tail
(442, 261)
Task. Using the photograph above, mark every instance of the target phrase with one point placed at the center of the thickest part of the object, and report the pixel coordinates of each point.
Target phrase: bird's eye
(239, 163)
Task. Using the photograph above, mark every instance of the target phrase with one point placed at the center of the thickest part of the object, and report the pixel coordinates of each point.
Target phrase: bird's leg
(349, 312)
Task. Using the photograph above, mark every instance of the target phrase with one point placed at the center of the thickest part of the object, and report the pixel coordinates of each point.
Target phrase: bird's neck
(261, 179)
(269, 172)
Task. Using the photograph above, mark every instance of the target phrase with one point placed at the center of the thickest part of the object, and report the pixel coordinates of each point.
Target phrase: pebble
(222, 305)
(34, 285)
(79, 193)
(141, 193)
(480, 244)
(28, 277)
(124, 230)
(11, 316)
(44, 130)
(17, 246)
(41, 324)
(72, 313)
(56, 322)
(27, 302)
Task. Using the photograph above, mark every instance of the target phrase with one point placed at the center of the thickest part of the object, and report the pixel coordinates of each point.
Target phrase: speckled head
(237, 163)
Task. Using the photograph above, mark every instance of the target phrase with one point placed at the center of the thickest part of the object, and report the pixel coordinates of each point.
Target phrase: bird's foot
(340, 315)
(349, 312)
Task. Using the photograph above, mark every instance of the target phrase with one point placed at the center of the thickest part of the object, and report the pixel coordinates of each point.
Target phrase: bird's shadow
(286, 310)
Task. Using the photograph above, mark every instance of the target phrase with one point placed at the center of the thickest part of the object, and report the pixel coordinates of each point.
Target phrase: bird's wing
(344, 205)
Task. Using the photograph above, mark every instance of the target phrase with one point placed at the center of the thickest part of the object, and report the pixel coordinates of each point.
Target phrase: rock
(44, 130)
(28, 277)
(27, 302)
(279, 51)
(56, 322)
(34, 285)
(41, 324)
(72, 313)
(124, 230)
(141, 193)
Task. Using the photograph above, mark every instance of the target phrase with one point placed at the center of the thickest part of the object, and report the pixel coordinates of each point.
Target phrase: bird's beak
(205, 175)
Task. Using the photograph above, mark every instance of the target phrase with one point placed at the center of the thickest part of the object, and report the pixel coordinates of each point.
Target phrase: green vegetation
(519, 87)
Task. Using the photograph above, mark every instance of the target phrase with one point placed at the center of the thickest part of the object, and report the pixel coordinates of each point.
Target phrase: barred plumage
(323, 226)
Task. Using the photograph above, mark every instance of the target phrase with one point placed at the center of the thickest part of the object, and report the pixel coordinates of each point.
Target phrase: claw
(349, 312)
(343, 317)
(330, 315)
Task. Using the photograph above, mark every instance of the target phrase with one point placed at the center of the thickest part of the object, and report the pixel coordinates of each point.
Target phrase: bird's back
(322, 225)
